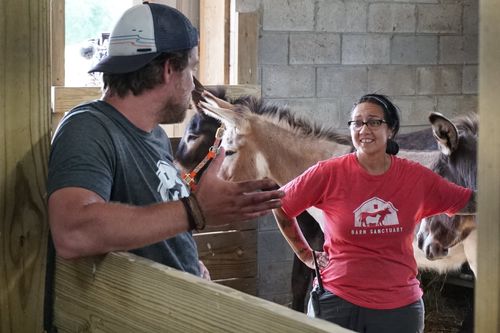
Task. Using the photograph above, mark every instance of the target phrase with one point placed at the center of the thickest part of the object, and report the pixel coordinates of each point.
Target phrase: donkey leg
(301, 280)
(301, 274)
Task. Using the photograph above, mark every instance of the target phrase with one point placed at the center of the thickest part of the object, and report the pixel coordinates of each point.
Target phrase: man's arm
(83, 224)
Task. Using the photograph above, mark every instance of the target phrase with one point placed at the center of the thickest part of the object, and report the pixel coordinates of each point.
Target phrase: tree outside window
(88, 24)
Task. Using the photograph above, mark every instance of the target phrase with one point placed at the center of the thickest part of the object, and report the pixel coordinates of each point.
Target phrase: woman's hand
(321, 258)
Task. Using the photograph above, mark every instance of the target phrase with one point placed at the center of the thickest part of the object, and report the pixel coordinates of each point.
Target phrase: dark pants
(407, 319)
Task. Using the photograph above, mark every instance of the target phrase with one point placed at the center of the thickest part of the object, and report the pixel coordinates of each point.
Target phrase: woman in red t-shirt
(372, 201)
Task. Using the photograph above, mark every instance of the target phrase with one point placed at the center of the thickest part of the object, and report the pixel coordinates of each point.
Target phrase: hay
(446, 305)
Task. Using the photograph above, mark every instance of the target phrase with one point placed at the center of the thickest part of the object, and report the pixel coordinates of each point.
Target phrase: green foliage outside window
(86, 19)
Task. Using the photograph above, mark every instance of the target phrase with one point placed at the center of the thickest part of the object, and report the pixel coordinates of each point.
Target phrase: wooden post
(24, 145)
(191, 9)
(248, 47)
(57, 41)
(488, 282)
(214, 41)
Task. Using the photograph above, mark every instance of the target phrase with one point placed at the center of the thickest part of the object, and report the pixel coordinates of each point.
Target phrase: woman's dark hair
(391, 116)
(146, 77)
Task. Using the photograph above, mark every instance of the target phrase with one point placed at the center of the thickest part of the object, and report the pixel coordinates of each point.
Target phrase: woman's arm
(292, 233)
(471, 207)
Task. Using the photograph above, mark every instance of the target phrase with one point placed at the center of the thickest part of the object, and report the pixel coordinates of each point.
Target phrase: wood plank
(57, 44)
(124, 293)
(229, 254)
(65, 98)
(213, 38)
(248, 47)
(24, 141)
(191, 9)
(245, 285)
(245, 225)
(487, 298)
(227, 40)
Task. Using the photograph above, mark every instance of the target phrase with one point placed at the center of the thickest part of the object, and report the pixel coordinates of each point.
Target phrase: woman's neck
(374, 165)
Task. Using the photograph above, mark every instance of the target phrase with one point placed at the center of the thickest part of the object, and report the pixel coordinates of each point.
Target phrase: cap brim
(123, 64)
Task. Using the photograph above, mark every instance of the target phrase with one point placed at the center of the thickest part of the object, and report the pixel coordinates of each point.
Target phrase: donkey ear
(445, 132)
(230, 118)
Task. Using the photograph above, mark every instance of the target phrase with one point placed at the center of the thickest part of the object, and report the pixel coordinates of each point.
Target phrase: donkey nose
(436, 251)
(420, 241)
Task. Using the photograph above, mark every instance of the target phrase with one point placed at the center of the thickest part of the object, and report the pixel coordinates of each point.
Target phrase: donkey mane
(283, 117)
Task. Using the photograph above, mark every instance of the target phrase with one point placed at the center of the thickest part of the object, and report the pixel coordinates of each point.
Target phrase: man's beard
(172, 113)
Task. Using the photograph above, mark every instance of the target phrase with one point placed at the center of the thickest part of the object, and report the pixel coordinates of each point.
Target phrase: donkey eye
(191, 137)
(230, 152)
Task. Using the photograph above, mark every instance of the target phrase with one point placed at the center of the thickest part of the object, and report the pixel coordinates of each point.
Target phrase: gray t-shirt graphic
(98, 149)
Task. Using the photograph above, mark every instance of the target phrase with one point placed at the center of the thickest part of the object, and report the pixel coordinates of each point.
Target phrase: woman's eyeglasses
(371, 123)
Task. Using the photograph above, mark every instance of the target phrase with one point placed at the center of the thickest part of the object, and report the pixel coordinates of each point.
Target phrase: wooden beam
(65, 98)
(57, 42)
(125, 293)
(24, 141)
(488, 282)
(214, 40)
(248, 47)
(229, 254)
(191, 9)
(246, 285)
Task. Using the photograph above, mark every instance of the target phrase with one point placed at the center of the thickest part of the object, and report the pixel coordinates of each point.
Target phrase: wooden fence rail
(121, 292)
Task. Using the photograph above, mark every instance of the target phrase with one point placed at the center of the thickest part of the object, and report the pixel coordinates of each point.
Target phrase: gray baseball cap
(144, 32)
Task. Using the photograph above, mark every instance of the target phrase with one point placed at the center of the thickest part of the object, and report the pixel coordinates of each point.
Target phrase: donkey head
(240, 140)
(457, 163)
(199, 133)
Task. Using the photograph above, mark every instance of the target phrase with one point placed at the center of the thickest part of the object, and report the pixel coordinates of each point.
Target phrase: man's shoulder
(87, 114)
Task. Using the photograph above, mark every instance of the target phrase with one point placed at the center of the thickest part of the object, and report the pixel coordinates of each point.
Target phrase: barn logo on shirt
(376, 216)
(171, 186)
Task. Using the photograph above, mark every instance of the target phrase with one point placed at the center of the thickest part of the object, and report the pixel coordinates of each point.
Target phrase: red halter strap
(189, 177)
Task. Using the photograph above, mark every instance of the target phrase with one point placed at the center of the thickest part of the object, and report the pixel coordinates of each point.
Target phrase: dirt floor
(446, 305)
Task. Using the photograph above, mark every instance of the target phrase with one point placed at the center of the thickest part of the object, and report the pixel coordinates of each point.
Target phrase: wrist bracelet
(191, 221)
(196, 219)
(198, 216)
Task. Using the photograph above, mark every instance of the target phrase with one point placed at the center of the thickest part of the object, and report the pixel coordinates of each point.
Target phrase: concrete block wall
(319, 56)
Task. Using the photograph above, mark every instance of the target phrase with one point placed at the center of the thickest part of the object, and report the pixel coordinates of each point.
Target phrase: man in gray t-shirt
(112, 183)
(122, 164)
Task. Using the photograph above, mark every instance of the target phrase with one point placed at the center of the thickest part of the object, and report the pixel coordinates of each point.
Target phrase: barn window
(87, 27)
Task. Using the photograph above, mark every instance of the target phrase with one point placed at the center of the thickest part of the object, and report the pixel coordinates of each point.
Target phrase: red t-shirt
(369, 224)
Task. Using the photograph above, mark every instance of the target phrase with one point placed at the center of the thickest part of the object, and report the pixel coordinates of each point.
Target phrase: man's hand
(223, 202)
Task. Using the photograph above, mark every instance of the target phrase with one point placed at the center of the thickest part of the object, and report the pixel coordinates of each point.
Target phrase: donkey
(254, 148)
(457, 163)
